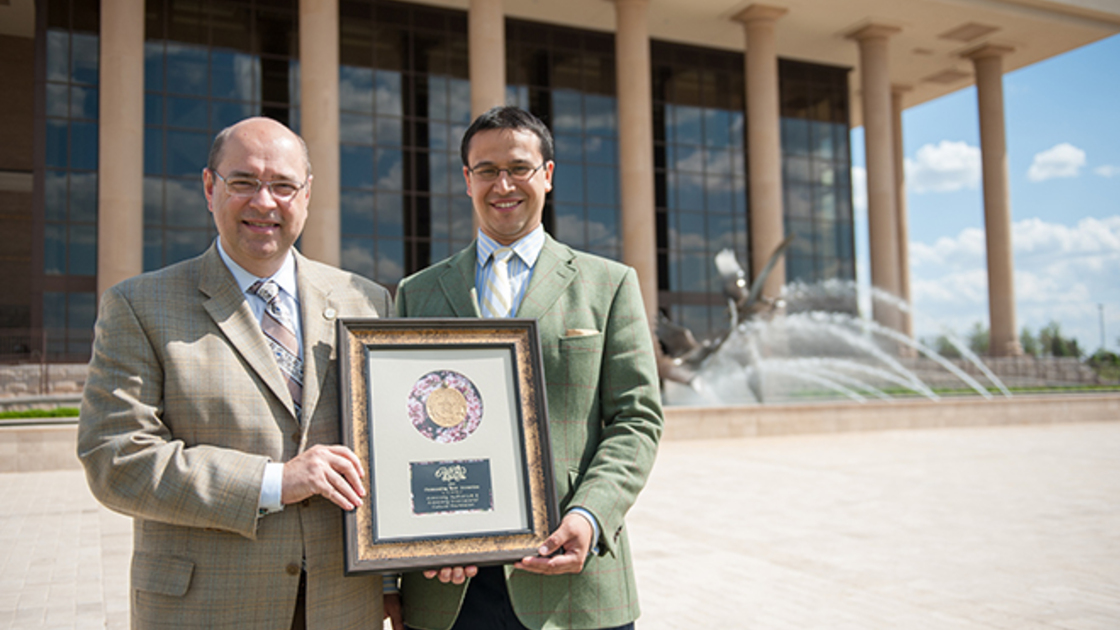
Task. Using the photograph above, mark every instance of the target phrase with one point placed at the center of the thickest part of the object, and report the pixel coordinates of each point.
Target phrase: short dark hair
(508, 117)
(223, 135)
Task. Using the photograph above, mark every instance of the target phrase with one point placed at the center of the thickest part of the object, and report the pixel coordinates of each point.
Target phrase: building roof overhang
(930, 41)
(928, 53)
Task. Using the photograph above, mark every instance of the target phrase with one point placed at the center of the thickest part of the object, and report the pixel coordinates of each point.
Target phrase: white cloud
(1062, 273)
(1063, 160)
(967, 250)
(956, 288)
(944, 167)
(1108, 170)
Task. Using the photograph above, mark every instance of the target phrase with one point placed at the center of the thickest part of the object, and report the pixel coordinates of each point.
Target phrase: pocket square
(580, 332)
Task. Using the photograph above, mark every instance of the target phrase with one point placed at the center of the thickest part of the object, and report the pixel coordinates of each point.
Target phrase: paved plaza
(1014, 528)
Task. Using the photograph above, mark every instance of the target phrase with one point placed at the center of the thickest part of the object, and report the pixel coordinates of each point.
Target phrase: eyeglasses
(519, 173)
(282, 190)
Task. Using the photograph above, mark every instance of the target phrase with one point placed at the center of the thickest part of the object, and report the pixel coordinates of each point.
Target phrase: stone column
(988, 62)
(903, 221)
(635, 147)
(875, 93)
(764, 143)
(487, 42)
(120, 174)
(318, 55)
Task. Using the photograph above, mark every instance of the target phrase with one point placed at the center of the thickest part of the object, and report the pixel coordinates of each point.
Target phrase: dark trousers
(486, 605)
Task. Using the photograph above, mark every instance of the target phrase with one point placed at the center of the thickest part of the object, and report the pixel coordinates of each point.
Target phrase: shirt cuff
(390, 584)
(271, 489)
(594, 526)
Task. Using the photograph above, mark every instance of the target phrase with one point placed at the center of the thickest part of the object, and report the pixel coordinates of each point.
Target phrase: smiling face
(507, 209)
(258, 231)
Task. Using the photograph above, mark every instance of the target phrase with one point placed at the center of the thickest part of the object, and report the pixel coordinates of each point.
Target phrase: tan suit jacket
(183, 407)
(605, 420)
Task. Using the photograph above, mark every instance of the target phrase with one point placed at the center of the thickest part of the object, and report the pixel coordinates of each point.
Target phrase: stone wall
(1012, 371)
(708, 423)
(66, 380)
(33, 379)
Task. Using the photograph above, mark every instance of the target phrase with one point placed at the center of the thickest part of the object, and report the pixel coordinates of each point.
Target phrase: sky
(1063, 142)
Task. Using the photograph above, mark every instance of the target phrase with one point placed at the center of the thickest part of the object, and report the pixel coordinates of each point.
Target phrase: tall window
(816, 172)
(69, 177)
(567, 78)
(700, 179)
(207, 64)
(405, 102)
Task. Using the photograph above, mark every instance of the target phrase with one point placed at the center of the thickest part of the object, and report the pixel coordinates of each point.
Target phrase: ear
(467, 176)
(548, 175)
(208, 187)
(306, 192)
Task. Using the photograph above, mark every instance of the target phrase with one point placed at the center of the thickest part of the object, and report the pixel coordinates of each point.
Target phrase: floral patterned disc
(445, 406)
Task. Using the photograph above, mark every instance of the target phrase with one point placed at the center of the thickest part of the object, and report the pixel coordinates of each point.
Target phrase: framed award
(449, 419)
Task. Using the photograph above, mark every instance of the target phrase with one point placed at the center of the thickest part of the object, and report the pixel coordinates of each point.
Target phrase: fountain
(806, 346)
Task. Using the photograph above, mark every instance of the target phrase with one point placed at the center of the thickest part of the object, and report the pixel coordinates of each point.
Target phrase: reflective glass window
(207, 65)
(700, 176)
(56, 195)
(568, 183)
(54, 249)
(357, 255)
(187, 112)
(83, 197)
(54, 321)
(404, 104)
(83, 250)
(69, 214)
(566, 77)
(816, 168)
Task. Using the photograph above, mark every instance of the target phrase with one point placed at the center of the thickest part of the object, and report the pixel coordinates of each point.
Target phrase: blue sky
(1063, 141)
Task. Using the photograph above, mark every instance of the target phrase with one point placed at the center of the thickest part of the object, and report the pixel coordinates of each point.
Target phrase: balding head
(258, 127)
(257, 227)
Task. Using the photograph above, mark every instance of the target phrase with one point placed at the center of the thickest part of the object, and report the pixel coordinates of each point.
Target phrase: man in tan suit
(219, 434)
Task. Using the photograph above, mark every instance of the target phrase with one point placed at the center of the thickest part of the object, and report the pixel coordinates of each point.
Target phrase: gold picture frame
(449, 418)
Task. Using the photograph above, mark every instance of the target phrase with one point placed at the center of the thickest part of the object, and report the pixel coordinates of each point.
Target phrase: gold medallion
(446, 406)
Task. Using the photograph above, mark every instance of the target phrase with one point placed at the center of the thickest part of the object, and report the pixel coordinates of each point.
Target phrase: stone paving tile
(54, 538)
(987, 528)
(1010, 528)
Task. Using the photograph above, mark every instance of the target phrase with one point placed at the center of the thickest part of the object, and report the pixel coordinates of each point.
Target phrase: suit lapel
(457, 283)
(552, 274)
(318, 312)
(230, 312)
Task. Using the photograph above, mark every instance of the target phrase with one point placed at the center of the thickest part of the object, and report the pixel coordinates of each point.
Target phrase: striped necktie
(499, 299)
(285, 346)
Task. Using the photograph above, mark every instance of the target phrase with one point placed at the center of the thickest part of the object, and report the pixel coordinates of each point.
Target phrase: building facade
(664, 156)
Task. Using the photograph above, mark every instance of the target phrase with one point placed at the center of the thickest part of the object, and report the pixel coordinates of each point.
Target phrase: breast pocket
(576, 377)
(581, 355)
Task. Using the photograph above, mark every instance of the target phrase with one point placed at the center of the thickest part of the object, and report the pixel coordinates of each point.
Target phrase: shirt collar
(285, 277)
(528, 248)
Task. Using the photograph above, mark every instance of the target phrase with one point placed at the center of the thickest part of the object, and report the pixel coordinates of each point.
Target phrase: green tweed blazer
(183, 407)
(605, 418)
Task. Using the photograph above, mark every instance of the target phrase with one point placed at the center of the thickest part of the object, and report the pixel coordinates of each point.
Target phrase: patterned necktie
(499, 297)
(285, 346)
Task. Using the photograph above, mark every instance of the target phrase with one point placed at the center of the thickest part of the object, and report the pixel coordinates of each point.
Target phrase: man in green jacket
(601, 381)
